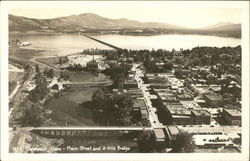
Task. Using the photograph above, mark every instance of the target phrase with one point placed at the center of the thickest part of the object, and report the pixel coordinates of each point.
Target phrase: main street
(153, 118)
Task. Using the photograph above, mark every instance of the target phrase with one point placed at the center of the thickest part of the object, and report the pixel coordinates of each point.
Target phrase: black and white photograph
(117, 77)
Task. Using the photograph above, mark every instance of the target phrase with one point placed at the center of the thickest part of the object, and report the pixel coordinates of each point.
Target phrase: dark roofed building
(201, 117)
(93, 65)
(130, 83)
(138, 106)
(179, 115)
(182, 120)
(160, 139)
(171, 132)
(135, 93)
(214, 99)
(232, 116)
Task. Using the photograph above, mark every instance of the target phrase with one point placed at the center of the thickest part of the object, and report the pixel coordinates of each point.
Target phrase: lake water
(63, 44)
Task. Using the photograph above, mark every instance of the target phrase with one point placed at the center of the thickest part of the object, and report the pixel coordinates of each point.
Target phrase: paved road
(153, 118)
(14, 91)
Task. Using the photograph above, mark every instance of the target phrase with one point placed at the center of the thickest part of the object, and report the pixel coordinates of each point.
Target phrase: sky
(187, 17)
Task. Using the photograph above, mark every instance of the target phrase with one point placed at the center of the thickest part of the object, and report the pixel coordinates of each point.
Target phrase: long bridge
(85, 131)
(102, 42)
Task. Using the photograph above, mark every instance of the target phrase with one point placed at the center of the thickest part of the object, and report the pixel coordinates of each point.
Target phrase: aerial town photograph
(124, 80)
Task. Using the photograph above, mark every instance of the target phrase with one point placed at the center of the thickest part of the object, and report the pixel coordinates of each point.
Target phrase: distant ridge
(89, 22)
(223, 26)
(83, 21)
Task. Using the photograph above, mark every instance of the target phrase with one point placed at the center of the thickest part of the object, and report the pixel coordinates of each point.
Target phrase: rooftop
(233, 112)
(178, 109)
(200, 112)
(139, 103)
(213, 96)
(173, 130)
(190, 104)
(159, 133)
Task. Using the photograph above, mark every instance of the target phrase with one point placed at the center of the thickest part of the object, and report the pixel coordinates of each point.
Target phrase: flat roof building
(160, 139)
(232, 116)
(201, 117)
(214, 99)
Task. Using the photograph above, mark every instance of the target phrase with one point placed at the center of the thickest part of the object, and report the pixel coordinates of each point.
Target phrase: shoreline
(144, 34)
(38, 60)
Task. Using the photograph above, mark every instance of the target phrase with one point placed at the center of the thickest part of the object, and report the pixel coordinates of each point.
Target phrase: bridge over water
(102, 42)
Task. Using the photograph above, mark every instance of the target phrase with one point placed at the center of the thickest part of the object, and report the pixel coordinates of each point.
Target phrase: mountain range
(93, 23)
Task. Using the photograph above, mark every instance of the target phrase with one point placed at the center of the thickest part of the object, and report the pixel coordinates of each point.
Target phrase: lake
(63, 44)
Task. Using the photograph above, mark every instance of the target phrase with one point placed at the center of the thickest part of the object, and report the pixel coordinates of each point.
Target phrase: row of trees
(32, 114)
(76, 67)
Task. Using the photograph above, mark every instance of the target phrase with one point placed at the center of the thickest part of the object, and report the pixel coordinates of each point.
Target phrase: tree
(37, 68)
(31, 114)
(60, 61)
(168, 66)
(51, 73)
(184, 143)
(45, 72)
(178, 73)
(41, 89)
(118, 74)
(99, 97)
(146, 142)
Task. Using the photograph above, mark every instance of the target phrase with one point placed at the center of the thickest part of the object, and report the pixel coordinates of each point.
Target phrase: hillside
(92, 23)
(223, 26)
(81, 22)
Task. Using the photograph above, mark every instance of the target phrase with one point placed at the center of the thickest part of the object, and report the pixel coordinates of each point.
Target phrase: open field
(73, 107)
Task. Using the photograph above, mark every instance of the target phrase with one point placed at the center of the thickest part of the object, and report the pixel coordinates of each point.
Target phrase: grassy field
(73, 107)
